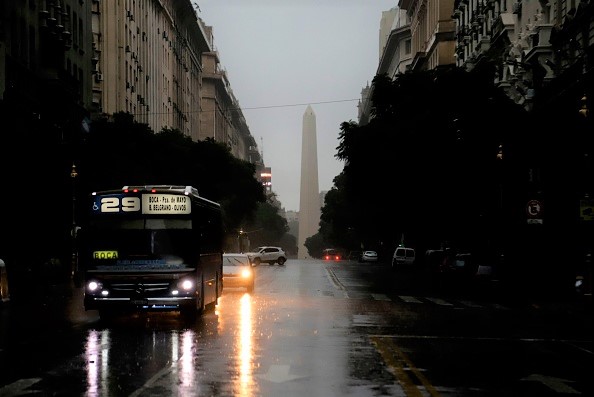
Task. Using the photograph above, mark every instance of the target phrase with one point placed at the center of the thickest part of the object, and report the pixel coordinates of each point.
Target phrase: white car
(403, 256)
(237, 271)
(266, 254)
(369, 256)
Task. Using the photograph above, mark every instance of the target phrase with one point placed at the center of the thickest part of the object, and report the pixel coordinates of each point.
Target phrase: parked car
(355, 255)
(403, 256)
(460, 271)
(434, 259)
(267, 254)
(369, 256)
(238, 271)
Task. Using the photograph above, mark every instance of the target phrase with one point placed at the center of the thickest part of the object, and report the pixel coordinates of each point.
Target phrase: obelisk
(309, 203)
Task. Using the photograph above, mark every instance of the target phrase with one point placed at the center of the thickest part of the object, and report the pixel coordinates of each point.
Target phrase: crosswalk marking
(440, 302)
(470, 304)
(381, 297)
(410, 299)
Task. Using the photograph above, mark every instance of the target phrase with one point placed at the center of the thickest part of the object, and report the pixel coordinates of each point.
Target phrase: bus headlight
(94, 286)
(184, 287)
(245, 273)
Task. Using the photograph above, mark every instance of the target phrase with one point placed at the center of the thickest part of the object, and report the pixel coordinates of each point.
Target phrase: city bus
(152, 248)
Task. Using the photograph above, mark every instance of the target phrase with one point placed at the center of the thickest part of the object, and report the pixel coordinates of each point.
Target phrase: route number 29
(117, 204)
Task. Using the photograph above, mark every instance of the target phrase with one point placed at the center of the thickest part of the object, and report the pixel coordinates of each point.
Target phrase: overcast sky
(280, 56)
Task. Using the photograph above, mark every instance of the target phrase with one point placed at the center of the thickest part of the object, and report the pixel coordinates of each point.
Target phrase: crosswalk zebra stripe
(440, 302)
(410, 299)
(470, 304)
(381, 297)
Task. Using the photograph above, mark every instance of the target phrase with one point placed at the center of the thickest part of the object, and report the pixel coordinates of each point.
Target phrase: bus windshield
(138, 242)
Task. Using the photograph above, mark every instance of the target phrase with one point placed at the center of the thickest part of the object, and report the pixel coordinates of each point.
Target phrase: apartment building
(395, 54)
(45, 63)
(432, 31)
(66, 63)
(221, 117)
(540, 50)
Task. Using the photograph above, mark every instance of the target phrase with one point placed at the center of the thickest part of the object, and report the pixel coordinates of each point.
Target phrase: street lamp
(73, 231)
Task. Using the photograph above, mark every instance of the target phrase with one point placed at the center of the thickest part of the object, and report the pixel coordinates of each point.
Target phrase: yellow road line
(402, 366)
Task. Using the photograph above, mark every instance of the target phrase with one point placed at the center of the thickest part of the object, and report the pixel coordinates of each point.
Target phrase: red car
(332, 254)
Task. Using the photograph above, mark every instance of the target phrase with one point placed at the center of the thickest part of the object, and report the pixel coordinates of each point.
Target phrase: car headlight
(245, 273)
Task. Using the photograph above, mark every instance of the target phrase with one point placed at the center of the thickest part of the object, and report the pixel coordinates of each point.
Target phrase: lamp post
(73, 231)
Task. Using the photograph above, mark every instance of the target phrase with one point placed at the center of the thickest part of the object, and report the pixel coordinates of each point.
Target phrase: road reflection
(245, 345)
(186, 371)
(182, 344)
(179, 363)
(243, 385)
(97, 359)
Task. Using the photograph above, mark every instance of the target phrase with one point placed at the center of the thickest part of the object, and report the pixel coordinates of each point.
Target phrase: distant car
(238, 271)
(403, 256)
(369, 256)
(332, 254)
(266, 254)
(355, 255)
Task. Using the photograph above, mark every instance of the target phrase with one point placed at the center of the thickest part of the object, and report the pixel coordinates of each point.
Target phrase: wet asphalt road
(310, 328)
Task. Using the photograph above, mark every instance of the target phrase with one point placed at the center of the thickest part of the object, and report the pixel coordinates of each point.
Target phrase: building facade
(70, 62)
(45, 62)
(221, 117)
(395, 53)
(148, 62)
(432, 31)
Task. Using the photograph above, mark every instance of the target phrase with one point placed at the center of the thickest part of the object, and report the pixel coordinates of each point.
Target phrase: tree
(268, 227)
(424, 169)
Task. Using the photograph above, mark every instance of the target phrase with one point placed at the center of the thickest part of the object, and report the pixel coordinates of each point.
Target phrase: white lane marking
(410, 299)
(556, 384)
(18, 388)
(440, 302)
(470, 304)
(279, 374)
(380, 297)
(149, 383)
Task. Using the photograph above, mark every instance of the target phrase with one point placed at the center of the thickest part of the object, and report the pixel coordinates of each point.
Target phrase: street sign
(534, 211)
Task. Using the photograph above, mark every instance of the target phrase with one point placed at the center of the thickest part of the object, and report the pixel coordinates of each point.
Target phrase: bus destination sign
(148, 203)
(165, 204)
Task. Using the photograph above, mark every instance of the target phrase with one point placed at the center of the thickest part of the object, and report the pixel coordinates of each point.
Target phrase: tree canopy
(425, 169)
